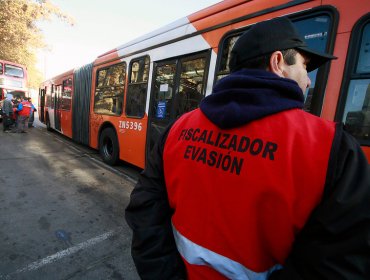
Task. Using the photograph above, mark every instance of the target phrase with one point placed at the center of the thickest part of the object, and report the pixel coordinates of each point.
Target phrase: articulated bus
(123, 100)
(13, 79)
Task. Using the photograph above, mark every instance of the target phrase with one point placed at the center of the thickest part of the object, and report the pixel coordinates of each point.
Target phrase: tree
(20, 37)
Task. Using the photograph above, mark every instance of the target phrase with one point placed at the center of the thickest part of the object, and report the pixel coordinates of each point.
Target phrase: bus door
(50, 100)
(57, 106)
(178, 87)
(42, 105)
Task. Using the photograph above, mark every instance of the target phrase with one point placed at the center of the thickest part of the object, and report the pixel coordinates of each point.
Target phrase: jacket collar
(247, 95)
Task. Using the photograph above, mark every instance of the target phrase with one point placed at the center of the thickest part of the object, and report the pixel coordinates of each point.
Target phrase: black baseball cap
(273, 35)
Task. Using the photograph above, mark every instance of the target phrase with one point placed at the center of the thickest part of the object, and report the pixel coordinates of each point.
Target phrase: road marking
(65, 253)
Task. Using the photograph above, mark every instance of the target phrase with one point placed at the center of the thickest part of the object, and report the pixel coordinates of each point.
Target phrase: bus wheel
(108, 146)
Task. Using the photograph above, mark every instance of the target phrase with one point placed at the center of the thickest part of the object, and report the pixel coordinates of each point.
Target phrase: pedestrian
(23, 111)
(7, 112)
(32, 114)
(16, 102)
(249, 186)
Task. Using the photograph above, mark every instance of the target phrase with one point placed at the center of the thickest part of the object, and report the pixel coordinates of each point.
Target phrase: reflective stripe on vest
(198, 255)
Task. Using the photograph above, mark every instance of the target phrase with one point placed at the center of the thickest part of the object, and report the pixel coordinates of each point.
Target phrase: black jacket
(334, 243)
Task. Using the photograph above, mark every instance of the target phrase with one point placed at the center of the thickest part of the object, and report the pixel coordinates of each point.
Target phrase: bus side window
(315, 29)
(110, 88)
(67, 94)
(52, 96)
(14, 71)
(356, 113)
(137, 87)
(227, 46)
(191, 85)
(1, 69)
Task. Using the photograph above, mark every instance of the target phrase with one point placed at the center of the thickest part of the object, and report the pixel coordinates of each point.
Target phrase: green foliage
(20, 38)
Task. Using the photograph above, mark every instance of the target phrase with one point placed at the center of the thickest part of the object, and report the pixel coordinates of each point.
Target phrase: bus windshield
(14, 71)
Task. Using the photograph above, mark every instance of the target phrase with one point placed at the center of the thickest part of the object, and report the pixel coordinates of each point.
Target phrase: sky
(102, 25)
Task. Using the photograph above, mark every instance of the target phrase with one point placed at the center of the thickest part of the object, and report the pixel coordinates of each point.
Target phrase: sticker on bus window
(161, 110)
(163, 87)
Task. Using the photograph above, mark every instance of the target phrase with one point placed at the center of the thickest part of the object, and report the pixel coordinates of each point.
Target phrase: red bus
(125, 98)
(13, 79)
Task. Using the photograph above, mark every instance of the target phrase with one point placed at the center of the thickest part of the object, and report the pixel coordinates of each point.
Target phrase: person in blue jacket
(32, 114)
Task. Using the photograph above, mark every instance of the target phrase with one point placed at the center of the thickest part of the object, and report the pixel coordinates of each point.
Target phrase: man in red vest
(24, 111)
(249, 186)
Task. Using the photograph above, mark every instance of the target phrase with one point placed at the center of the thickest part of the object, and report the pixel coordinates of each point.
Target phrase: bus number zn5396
(130, 125)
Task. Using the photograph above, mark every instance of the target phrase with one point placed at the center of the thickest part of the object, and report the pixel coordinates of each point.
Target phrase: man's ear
(277, 63)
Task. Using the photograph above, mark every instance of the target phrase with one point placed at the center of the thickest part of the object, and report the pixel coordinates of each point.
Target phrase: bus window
(178, 87)
(191, 85)
(137, 87)
(356, 115)
(315, 30)
(363, 65)
(67, 94)
(164, 85)
(228, 45)
(14, 71)
(52, 96)
(110, 89)
(1, 68)
(48, 96)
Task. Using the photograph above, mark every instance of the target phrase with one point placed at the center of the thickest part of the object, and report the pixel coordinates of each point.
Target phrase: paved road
(61, 211)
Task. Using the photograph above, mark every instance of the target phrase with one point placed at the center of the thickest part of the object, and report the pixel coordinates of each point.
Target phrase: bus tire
(108, 146)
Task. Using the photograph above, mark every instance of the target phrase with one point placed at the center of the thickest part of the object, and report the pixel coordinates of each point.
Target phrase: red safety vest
(26, 111)
(241, 195)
